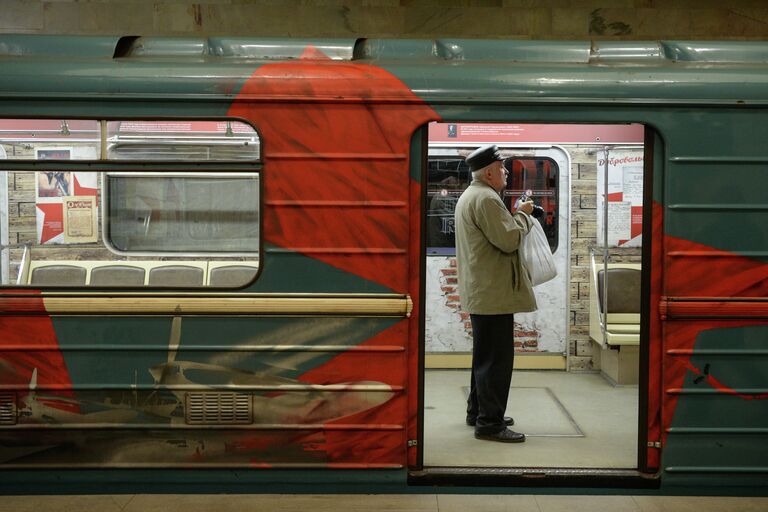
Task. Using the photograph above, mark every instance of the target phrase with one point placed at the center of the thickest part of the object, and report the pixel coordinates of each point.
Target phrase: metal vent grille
(8, 409)
(215, 408)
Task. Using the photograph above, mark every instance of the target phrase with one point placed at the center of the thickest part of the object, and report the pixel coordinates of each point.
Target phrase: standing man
(493, 284)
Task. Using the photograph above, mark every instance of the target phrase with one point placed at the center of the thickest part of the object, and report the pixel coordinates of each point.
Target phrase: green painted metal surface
(485, 71)
(27, 45)
(472, 50)
(416, 155)
(716, 170)
(720, 431)
(291, 272)
(145, 340)
(142, 481)
(658, 168)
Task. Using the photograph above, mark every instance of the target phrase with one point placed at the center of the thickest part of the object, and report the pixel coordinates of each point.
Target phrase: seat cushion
(176, 275)
(117, 275)
(623, 288)
(58, 275)
(232, 275)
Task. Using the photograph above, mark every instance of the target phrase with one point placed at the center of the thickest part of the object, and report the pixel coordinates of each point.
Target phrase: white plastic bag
(537, 257)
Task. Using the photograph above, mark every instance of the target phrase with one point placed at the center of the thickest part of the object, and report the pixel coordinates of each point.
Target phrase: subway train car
(227, 262)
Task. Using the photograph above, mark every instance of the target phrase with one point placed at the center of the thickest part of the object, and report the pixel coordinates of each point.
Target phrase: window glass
(537, 178)
(448, 176)
(210, 213)
(78, 139)
(50, 139)
(181, 141)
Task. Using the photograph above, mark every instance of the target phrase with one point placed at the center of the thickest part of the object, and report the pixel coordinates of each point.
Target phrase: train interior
(575, 389)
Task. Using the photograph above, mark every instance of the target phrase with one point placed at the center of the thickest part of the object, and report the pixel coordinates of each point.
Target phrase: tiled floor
(571, 420)
(373, 503)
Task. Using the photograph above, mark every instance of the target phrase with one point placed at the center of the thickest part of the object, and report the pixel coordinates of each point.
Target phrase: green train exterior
(342, 127)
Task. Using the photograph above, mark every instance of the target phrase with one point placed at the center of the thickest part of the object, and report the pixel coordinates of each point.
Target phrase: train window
(139, 222)
(182, 141)
(50, 139)
(536, 177)
(181, 214)
(79, 139)
(448, 176)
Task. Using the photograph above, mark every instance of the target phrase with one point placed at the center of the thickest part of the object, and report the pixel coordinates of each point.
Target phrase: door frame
(555, 477)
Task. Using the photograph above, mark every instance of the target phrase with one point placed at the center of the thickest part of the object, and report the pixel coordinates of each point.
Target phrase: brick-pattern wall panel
(583, 240)
(583, 237)
(526, 340)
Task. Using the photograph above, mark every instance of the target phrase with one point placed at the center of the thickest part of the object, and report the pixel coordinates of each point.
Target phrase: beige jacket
(492, 278)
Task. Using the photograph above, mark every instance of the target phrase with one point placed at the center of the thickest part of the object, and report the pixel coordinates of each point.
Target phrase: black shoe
(507, 421)
(505, 436)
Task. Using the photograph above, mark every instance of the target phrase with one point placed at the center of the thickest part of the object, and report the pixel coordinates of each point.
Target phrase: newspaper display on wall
(52, 188)
(80, 219)
(625, 197)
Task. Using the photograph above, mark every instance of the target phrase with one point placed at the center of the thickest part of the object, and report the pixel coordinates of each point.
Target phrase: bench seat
(623, 318)
(152, 273)
(617, 353)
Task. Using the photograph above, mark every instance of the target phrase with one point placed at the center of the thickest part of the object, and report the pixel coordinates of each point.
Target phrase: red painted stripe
(335, 204)
(336, 156)
(212, 348)
(675, 308)
(704, 254)
(690, 352)
(346, 250)
(68, 386)
(362, 465)
(327, 99)
(21, 305)
(695, 270)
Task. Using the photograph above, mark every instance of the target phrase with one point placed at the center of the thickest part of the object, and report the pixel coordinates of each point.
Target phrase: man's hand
(526, 207)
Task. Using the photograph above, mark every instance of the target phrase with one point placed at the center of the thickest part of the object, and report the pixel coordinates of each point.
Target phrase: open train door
(589, 180)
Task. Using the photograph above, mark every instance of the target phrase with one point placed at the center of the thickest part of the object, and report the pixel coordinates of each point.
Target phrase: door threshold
(533, 477)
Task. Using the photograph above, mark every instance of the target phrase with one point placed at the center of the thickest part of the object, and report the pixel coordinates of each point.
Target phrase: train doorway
(575, 388)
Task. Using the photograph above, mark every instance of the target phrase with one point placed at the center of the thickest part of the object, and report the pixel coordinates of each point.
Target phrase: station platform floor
(375, 503)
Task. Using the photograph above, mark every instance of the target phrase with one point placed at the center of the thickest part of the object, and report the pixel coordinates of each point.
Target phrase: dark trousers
(493, 354)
